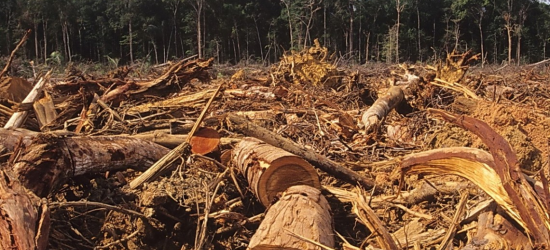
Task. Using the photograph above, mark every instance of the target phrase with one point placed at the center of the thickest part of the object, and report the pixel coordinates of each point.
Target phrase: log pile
(304, 155)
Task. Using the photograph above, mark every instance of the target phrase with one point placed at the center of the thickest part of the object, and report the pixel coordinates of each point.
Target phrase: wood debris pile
(304, 155)
(312, 65)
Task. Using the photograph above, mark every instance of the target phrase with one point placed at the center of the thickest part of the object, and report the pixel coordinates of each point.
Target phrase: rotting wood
(14, 89)
(270, 170)
(48, 159)
(415, 232)
(243, 126)
(372, 118)
(302, 211)
(192, 100)
(45, 111)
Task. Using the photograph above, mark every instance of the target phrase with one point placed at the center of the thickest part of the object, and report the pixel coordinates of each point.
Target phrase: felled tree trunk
(271, 170)
(301, 214)
(372, 118)
(48, 159)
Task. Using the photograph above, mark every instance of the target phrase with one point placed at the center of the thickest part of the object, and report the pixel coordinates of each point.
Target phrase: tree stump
(270, 170)
(301, 213)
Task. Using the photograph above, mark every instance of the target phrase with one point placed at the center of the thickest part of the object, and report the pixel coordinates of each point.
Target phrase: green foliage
(237, 30)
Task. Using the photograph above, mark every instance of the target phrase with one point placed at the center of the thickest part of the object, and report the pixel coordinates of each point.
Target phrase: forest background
(260, 31)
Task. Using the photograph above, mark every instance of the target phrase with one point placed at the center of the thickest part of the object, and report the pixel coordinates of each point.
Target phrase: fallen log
(270, 170)
(48, 159)
(243, 126)
(379, 110)
(301, 219)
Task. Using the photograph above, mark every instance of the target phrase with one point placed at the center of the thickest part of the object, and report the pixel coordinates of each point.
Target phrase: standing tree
(399, 7)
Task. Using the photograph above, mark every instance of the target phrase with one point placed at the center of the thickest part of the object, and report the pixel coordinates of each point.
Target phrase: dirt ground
(320, 111)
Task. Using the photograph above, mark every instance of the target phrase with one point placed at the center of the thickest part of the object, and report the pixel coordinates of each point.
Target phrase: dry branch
(243, 126)
(302, 211)
(271, 170)
(12, 55)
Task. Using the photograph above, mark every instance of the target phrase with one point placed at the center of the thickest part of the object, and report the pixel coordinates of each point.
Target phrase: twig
(118, 241)
(209, 200)
(456, 220)
(308, 240)
(183, 150)
(97, 204)
(417, 214)
(12, 55)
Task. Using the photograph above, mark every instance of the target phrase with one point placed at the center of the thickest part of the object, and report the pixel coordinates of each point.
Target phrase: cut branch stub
(270, 170)
(301, 213)
(205, 141)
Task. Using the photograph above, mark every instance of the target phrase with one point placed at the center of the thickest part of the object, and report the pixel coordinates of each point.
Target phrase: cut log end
(284, 173)
(271, 170)
(205, 141)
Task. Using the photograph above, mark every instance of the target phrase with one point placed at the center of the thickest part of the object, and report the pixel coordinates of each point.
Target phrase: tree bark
(381, 107)
(301, 213)
(50, 159)
(271, 170)
(24, 219)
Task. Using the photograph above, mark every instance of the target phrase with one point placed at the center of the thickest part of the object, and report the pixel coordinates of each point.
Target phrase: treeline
(154, 31)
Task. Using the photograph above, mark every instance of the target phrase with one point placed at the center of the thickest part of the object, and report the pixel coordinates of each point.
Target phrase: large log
(50, 159)
(271, 170)
(300, 217)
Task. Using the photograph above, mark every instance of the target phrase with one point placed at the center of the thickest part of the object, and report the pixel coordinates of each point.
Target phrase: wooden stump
(301, 213)
(270, 170)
